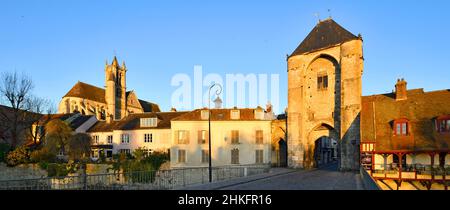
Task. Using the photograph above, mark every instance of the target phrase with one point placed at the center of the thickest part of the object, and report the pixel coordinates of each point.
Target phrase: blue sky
(58, 43)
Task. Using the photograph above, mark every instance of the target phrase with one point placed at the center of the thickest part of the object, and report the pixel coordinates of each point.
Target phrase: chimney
(218, 103)
(400, 90)
(269, 107)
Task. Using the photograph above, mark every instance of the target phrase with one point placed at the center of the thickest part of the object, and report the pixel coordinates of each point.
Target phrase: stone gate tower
(324, 95)
(115, 94)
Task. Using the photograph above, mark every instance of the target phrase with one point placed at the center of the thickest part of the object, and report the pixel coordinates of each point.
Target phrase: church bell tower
(115, 94)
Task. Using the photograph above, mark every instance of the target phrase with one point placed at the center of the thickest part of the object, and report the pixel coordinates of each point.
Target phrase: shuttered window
(202, 136)
(235, 156)
(234, 137)
(259, 156)
(259, 137)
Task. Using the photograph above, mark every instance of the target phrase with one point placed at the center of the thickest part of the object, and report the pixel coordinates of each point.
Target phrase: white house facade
(148, 131)
(238, 137)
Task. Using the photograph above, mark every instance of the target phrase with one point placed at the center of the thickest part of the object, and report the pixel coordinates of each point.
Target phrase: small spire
(115, 62)
(123, 65)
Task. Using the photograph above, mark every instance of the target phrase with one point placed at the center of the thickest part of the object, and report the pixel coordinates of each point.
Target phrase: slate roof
(325, 34)
(132, 122)
(87, 91)
(90, 92)
(420, 108)
(74, 123)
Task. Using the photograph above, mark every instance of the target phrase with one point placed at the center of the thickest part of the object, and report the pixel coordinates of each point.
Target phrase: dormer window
(235, 114)
(401, 127)
(205, 114)
(443, 124)
(259, 114)
(149, 122)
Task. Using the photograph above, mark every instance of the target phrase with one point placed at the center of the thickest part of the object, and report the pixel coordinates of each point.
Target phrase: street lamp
(209, 124)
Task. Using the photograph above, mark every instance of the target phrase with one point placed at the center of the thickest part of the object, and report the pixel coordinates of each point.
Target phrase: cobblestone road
(326, 178)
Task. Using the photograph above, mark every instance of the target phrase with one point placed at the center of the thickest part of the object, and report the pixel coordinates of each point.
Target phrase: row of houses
(405, 135)
(238, 136)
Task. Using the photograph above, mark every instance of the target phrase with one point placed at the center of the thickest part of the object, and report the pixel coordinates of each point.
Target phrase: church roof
(93, 93)
(149, 107)
(325, 34)
(87, 91)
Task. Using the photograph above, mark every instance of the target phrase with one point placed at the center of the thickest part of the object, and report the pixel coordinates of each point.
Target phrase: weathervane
(329, 13)
(317, 16)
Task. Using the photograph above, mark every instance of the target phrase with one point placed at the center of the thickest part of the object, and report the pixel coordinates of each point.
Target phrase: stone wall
(313, 111)
(25, 171)
(33, 171)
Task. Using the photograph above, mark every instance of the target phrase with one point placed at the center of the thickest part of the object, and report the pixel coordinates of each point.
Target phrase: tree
(79, 147)
(14, 91)
(58, 136)
(22, 110)
(37, 130)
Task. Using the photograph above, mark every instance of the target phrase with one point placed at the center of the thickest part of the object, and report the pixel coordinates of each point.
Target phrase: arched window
(401, 127)
(443, 124)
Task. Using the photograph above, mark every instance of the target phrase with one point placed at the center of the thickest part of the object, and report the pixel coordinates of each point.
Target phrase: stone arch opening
(336, 88)
(322, 148)
(282, 153)
(325, 151)
(323, 109)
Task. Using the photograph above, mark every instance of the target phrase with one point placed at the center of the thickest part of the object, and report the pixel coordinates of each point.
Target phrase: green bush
(139, 172)
(18, 156)
(43, 165)
(60, 170)
(4, 149)
(156, 159)
(42, 155)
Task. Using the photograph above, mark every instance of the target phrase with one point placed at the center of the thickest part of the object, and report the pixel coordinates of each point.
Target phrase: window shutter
(176, 137)
(199, 136)
(436, 124)
(207, 137)
(233, 137)
(187, 136)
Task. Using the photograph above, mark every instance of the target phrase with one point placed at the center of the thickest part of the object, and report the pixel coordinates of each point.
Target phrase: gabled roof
(132, 122)
(87, 91)
(325, 34)
(420, 109)
(90, 92)
(74, 120)
(149, 107)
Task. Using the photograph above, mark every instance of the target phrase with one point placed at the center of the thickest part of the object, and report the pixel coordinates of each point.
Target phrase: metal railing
(137, 180)
(411, 171)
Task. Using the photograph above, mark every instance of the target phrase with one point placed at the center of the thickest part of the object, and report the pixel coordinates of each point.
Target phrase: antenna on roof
(317, 16)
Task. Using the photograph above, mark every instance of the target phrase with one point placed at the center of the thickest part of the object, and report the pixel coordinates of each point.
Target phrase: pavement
(324, 178)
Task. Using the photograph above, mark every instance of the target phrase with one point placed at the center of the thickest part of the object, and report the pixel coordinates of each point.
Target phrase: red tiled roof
(219, 115)
(420, 109)
(132, 122)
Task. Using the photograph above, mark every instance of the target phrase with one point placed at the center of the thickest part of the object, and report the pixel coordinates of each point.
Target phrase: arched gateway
(324, 97)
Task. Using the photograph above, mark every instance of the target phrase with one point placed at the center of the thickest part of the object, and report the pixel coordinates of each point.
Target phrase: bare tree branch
(22, 107)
